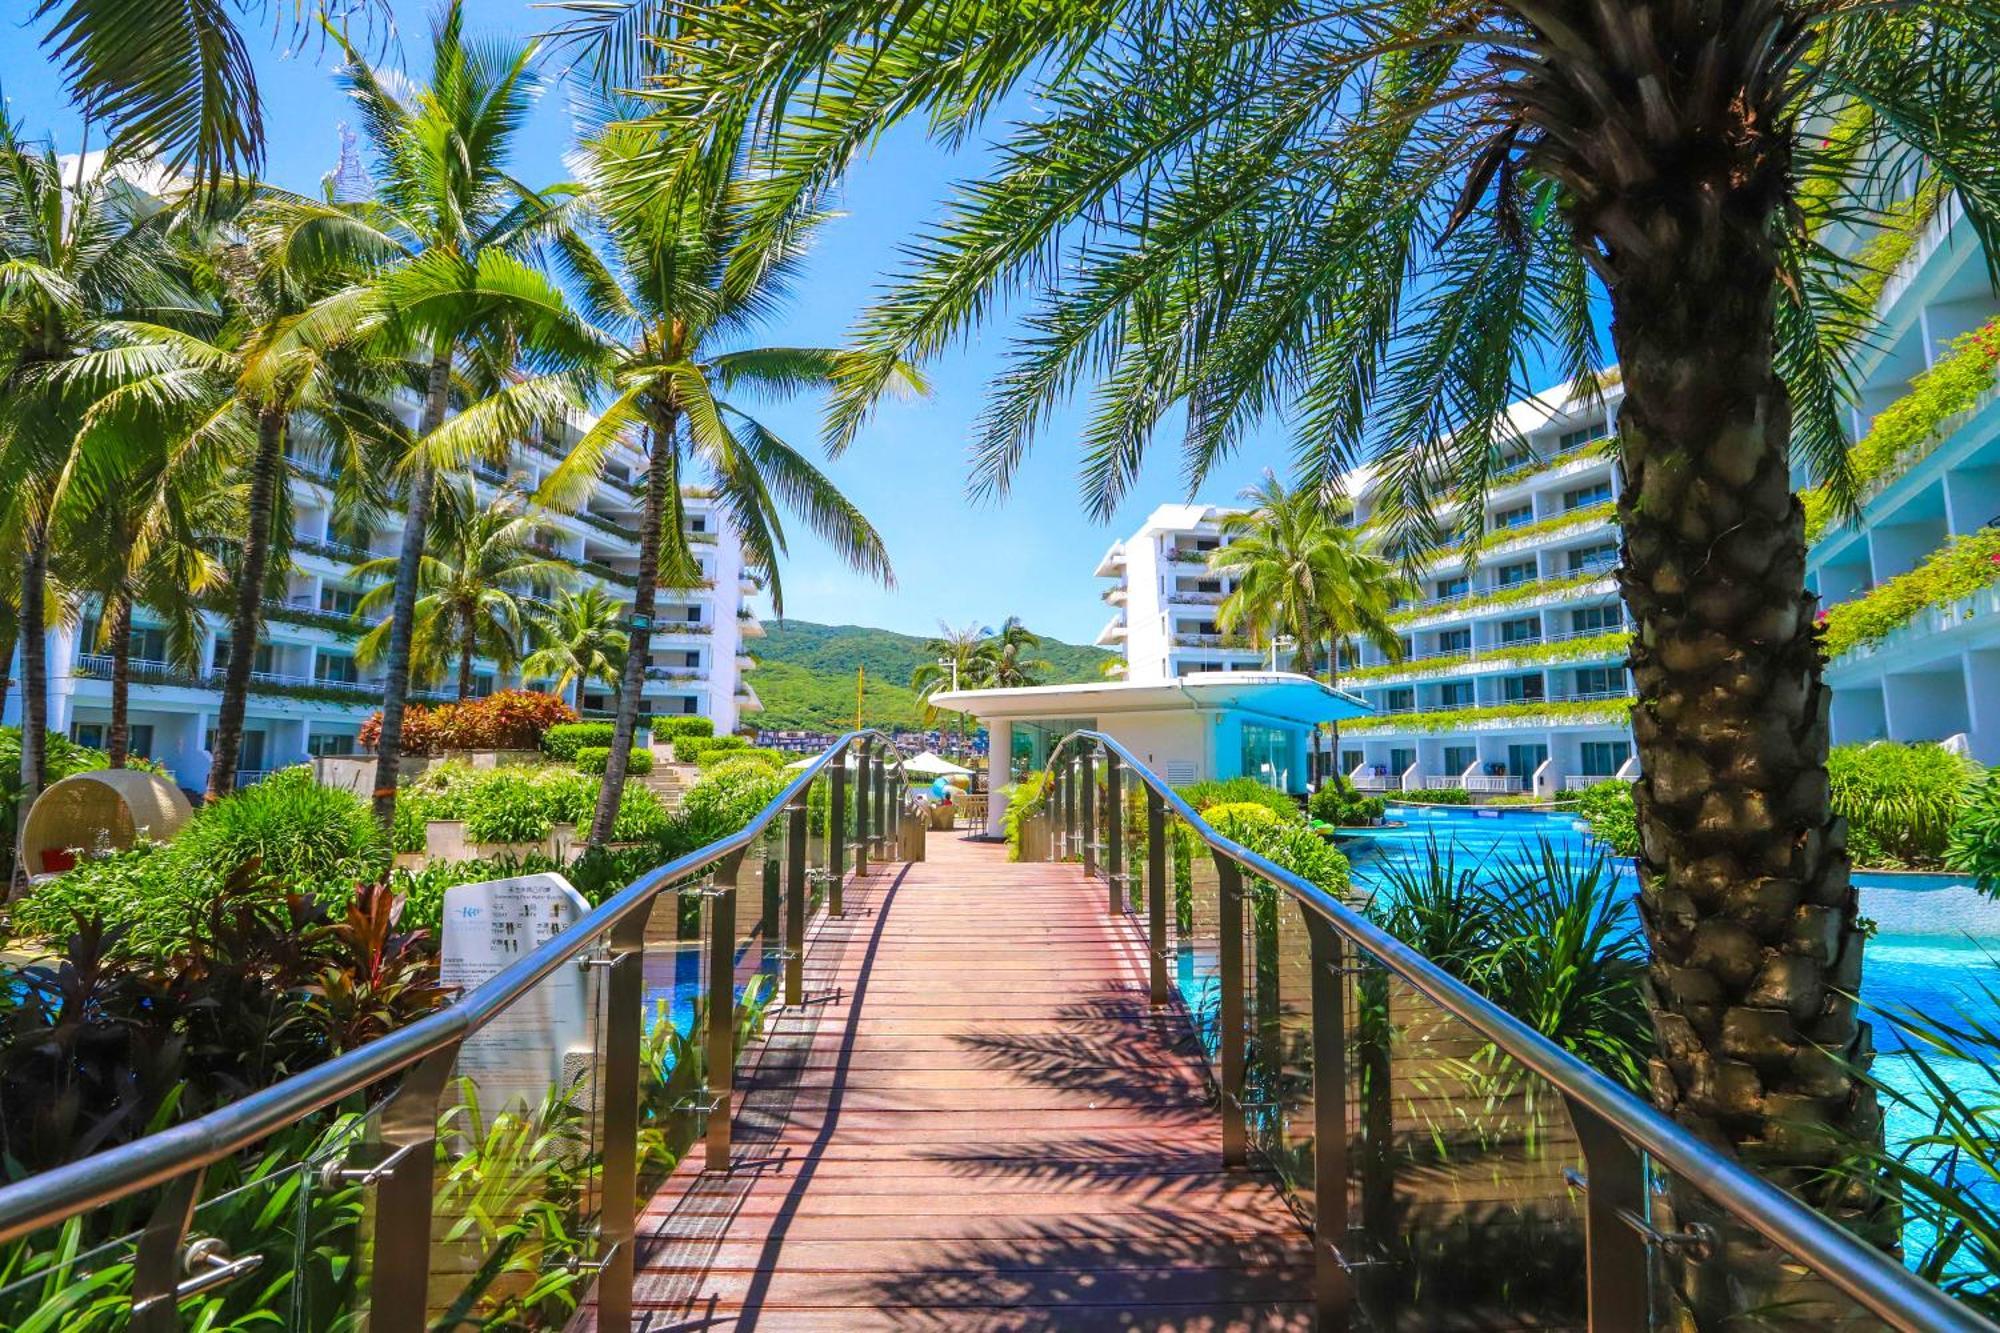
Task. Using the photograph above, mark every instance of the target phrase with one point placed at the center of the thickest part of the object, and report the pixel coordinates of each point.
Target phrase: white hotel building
(309, 696)
(1512, 679)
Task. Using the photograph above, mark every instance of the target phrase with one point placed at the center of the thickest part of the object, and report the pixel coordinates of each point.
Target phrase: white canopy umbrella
(931, 764)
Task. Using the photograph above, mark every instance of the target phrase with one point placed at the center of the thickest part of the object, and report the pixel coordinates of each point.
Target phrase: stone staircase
(668, 779)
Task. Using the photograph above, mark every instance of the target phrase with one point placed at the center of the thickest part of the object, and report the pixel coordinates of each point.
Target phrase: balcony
(1495, 784)
(1227, 642)
(1192, 597)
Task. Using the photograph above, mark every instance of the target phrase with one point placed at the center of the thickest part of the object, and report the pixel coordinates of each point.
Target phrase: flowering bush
(509, 720)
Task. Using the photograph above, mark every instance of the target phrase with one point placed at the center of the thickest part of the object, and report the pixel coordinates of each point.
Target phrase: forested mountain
(805, 673)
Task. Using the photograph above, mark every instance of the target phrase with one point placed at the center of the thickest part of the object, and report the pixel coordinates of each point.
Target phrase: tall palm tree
(668, 276)
(480, 565)
(582, 640)
(1002, 666)
(73, 252)
(1369, 221)
(446, 234)
(954, 661)
(1301, 574)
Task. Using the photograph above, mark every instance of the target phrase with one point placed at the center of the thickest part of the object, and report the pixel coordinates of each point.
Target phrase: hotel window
(1587, 495)
(339, 601)
(87, 733)
(96, 735)
(1513, 517)
(1267, 755)
(1604, 553)
(688, 704)
(261, 662)
(1452, 587)
(1600, 680)
(1526, 630)
(1458, 758)
(1588, 619)
(1603, 759)
(1524, 689)
(1521, 571)
(1400, 761)
(1455, 641)
(482, 685)
(1582, 435)
(1400, 700)
(697, 523)
(326, 744)
(1350, 760)
(1455, 694)
(693, 615)
(335, 667)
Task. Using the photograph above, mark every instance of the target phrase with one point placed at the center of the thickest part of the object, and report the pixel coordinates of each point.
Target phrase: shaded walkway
(976, 1122)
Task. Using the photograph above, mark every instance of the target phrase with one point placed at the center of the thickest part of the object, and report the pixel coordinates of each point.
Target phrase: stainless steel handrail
(53, 1196)
(1865, 1274)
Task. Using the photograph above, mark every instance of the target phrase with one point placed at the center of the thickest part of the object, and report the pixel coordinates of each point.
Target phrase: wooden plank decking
(980, 1124)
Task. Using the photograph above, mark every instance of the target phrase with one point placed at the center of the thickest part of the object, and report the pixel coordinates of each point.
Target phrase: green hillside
(805, 673)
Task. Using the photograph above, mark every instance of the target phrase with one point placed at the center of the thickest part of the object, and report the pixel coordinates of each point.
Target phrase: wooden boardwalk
(977, 1122)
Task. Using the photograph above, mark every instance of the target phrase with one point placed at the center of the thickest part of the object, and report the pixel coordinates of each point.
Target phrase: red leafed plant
(509, 720)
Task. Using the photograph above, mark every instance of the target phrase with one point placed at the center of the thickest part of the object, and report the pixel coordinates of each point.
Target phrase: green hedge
(566, 739)
(1965, 565)
(771, 758)
(674, 727)
(596, 758)
(690, 749)
(519, 804)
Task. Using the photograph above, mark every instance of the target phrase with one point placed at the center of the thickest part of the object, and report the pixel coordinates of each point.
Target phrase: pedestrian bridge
(1142, 1078)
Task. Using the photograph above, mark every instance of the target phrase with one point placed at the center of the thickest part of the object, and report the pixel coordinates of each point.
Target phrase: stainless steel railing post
(625, 1003)
(836, 837)
(1114, 835)
(795, 904)
(885, 846)
(156, 1257)
(1156, 895)
(1229, 1017)
(1615, 1257)
(722, 1009)
(1066, 789)
(1087, 804)
(403, 1200)
(863, 797)
(1333, 1298)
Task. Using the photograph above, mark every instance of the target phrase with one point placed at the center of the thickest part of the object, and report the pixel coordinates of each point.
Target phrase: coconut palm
(582, 639)
(73, 252)
(668, 276)
(481, 563)
(1001, 661)
(1369, 222)
(445, 235)
(955, 661)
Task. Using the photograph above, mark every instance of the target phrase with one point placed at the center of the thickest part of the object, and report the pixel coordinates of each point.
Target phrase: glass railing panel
(71, 1276)
(1463, 1207)
(673, 1061)
(1196, 935)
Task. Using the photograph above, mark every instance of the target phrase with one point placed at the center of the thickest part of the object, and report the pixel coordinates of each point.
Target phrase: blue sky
(956, 560)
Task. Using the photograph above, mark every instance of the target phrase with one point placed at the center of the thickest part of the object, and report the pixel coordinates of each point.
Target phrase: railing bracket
(336, 1173)
(207, 1263)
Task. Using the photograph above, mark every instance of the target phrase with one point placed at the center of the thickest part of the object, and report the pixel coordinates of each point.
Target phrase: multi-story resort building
(1511, 677)
(309, 695)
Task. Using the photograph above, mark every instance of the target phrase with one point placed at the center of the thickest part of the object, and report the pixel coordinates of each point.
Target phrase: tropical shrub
(689, 749)
(1974, 845)
(726, 798)
(300, 832)
(1900, 801)
(1237, 791)
(595, 758)
(509, 720)
(565, 739)
(1614, 821)
(1337, 802)
(1025, 799)
(673, 728)
(710, 758)
(1961, 567)
(1284, 839)
(1439, 796)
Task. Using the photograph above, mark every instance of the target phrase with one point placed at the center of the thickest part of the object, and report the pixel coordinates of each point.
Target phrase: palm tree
(480, 563)
(1369, 221)
(582, 638)
(1002, 667)
(72, 254)
(956, 661)
(1301, 574)
(445, 236)
(678, 289)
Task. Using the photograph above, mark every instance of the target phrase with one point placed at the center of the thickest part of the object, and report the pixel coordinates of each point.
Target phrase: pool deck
(958, 1133)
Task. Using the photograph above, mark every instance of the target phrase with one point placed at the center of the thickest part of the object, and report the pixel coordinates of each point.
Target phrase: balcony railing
(1583, 781)
(1230, 642)
(1377, 782)
(1602, 564)
(1495, 784)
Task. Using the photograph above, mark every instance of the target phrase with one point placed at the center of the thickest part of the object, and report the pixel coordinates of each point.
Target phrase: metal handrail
(53, 1196)
(1860, 1271)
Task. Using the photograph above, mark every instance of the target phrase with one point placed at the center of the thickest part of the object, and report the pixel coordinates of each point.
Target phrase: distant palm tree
(1301, 574)
(955, 660)
(582, 639)
(480, 564)
(1002, 665)
(662, 274)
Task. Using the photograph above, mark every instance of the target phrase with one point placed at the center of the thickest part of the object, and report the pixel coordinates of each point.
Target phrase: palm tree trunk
(1745, 891)
(403, 611)
(9, 641)
(245, 621)
(34, 664)
(118, 739)
(661, 473)
(465, 663)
